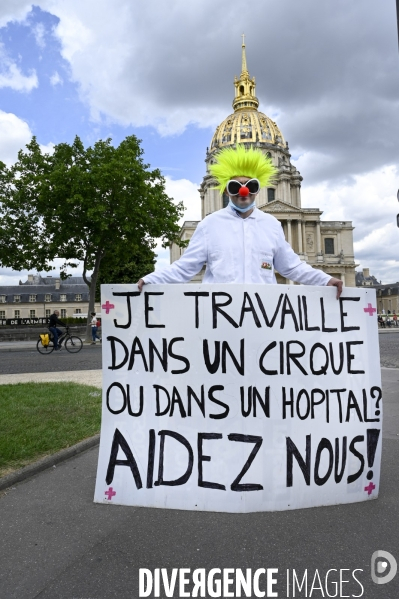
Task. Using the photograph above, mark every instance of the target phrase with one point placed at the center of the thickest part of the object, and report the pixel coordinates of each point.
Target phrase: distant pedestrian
(395, 319)
(94, 331)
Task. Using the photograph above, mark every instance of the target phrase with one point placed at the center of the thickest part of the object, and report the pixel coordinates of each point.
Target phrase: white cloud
(335, 99)
(11, 75)
(47, 148)
(11, 277)
(168, 65)
(13, 10)
(14, 135)
(162, 257)
(55, 79)
(181, 190)
(370, 203)
(39, 31)
(119, 55)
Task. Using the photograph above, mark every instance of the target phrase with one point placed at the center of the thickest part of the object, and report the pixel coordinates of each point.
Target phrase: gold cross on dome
(243, 39)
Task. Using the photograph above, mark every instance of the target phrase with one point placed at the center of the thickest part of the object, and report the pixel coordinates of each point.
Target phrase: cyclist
(54, 321)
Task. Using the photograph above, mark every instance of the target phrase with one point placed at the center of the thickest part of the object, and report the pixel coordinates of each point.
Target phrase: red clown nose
(244, 192)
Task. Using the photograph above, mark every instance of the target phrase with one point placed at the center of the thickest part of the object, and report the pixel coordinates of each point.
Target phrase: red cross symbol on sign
(369, 309)
(369, 488)
(107, 307)
(110, 493)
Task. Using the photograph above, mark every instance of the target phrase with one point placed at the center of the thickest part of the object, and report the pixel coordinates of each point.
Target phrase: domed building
(327, 245)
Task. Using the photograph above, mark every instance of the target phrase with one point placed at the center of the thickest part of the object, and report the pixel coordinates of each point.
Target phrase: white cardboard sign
(239, 398)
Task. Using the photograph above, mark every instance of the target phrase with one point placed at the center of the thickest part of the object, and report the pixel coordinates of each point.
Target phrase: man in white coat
(240, 243)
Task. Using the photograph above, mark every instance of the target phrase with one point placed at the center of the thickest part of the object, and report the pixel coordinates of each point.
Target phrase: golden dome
(246, 124)
(247, 127)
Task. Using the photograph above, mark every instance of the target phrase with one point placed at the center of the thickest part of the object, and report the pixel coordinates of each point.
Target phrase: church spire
(244, 58)
(245, 98)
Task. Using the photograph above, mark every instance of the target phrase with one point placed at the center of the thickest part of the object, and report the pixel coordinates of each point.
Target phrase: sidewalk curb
(47, 462)
(388, 330)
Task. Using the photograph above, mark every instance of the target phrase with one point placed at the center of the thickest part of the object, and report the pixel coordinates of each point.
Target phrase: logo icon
(383, 567)
(266, 265)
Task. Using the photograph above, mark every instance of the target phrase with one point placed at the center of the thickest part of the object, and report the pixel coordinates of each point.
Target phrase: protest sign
(239, 398)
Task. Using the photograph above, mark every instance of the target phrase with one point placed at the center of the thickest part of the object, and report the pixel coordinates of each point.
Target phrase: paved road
(389, 350)
(29, 360)
(57, 544)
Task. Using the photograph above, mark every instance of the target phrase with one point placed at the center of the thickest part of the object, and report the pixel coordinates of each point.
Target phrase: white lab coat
(239, 250)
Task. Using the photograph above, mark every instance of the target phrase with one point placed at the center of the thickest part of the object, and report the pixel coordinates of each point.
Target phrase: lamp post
(397, 15)
(397, 19)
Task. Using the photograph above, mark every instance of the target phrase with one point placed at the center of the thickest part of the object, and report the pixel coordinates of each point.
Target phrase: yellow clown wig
(239, 162)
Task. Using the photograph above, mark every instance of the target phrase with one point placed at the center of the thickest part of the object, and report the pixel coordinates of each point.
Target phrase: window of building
(329, 245)
(17, 314)
(47, 297)
(271, 194)
(78, 311)
(78, 297)
(32, 313)
(48, 313)
(63, 313)
(32, 298)
(2, 313)
(17, 299)
(63, 297)
(226, 200)
(3, 299)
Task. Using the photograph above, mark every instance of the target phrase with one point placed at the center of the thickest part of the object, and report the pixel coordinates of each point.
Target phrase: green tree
(82, 204)
(127, 265)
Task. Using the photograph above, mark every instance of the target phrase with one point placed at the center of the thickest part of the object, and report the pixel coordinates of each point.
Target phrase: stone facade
(38, 297)
(387, 295)
(388, 298)
(327, 245)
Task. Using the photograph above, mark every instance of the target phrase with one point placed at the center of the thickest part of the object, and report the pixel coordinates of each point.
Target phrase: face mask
(234, 207)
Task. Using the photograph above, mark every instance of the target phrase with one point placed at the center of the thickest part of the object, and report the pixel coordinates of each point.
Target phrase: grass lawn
(38, 419)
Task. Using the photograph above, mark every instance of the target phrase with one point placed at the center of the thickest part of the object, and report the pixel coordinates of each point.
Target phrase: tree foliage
(93, 204)
(126, 265)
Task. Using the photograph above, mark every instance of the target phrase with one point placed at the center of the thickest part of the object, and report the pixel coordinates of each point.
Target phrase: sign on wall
(239, 398)
(23, 321)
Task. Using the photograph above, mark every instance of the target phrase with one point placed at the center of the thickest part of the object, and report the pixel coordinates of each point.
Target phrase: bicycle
(72, 343)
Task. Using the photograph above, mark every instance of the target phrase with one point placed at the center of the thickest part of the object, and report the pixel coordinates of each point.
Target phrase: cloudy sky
(327, 72)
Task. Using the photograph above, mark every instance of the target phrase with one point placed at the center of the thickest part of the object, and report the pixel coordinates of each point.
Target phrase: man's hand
(140, 284)
(336, 283)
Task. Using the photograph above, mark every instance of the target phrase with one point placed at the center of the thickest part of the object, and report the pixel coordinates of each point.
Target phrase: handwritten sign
(239, 398)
